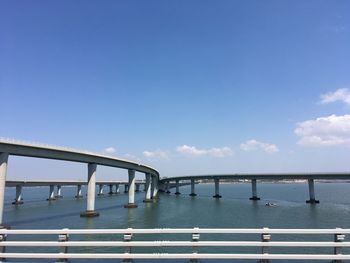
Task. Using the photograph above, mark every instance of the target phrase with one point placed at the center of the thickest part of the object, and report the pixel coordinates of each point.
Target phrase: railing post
(265, 237)
(3, 172)
(195, 238)
(63, 249)
(338, 238)
(127, 238)
(2, 248)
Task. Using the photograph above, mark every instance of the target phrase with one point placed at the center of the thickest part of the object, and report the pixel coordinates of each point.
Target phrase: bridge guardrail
(63, 242)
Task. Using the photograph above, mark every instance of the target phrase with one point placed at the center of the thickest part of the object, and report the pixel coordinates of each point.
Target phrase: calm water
(234, 210)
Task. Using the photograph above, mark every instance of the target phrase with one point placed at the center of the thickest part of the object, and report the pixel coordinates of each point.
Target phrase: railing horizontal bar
(174, 231)
(170, 244)
(174, 256)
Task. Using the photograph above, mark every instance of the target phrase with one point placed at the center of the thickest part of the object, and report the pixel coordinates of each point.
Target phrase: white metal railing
(129, 242)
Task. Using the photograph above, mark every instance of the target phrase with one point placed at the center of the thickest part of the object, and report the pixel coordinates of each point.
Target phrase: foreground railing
(61, 239)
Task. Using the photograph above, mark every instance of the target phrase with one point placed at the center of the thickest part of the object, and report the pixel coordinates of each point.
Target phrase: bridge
(18, 148)
(152, 182)
(176, 182)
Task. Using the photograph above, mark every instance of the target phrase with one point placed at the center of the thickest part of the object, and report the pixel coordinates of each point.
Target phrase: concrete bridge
(17, 148)
(167, 183)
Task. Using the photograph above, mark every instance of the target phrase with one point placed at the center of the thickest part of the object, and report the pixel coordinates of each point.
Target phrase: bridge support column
(217, 189)
(110, 189)
(3, 172)
(100, 190)
(167, 187)
(91, 187)
(51, 193)
(117, 189)
(131, 202)
(177, 187)
(79, 195)
(254, 191)
(154, 187)
(126, 188)
(18, 199)
(312, 199)
(137, 188)
(148, 197)
(59, 190)
(192, 188)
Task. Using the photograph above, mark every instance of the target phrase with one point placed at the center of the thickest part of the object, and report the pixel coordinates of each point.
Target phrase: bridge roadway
(18, 148)
(171, 182)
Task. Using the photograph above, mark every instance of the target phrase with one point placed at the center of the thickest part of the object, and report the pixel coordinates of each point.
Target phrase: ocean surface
(233, 210)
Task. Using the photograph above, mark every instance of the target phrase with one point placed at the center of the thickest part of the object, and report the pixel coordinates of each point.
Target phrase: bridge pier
(91, 187)
(18, 199)
(117, 189)
(79, 195)
(51, 193)
(59, 189)
(312, 199)
(154, 187)
(167, 187)
(137, 188)
(192, 188)
(3, 172)
(217, 189)
(254, 191)
(131, 202)
(126, 188)
(148, 197)
(177, 187)
(100, 190)
(110, 189)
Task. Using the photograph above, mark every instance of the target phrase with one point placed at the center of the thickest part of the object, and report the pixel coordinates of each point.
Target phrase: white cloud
(252, 145)
(110, 150)
(324, 131)
(338, 95)
(157, 154)
(214, 152)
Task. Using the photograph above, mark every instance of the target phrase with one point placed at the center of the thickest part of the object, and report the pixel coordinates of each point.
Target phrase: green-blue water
(234, 210)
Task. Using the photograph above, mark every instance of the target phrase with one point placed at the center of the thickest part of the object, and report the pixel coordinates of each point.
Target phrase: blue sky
(190, 87)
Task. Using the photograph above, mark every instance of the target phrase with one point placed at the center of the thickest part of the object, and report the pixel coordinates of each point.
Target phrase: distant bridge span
(171, 182)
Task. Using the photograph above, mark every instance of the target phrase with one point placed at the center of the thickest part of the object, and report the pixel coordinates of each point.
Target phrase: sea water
(233, 210)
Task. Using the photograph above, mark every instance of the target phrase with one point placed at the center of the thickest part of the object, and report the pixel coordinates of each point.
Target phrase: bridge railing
(63, 240)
